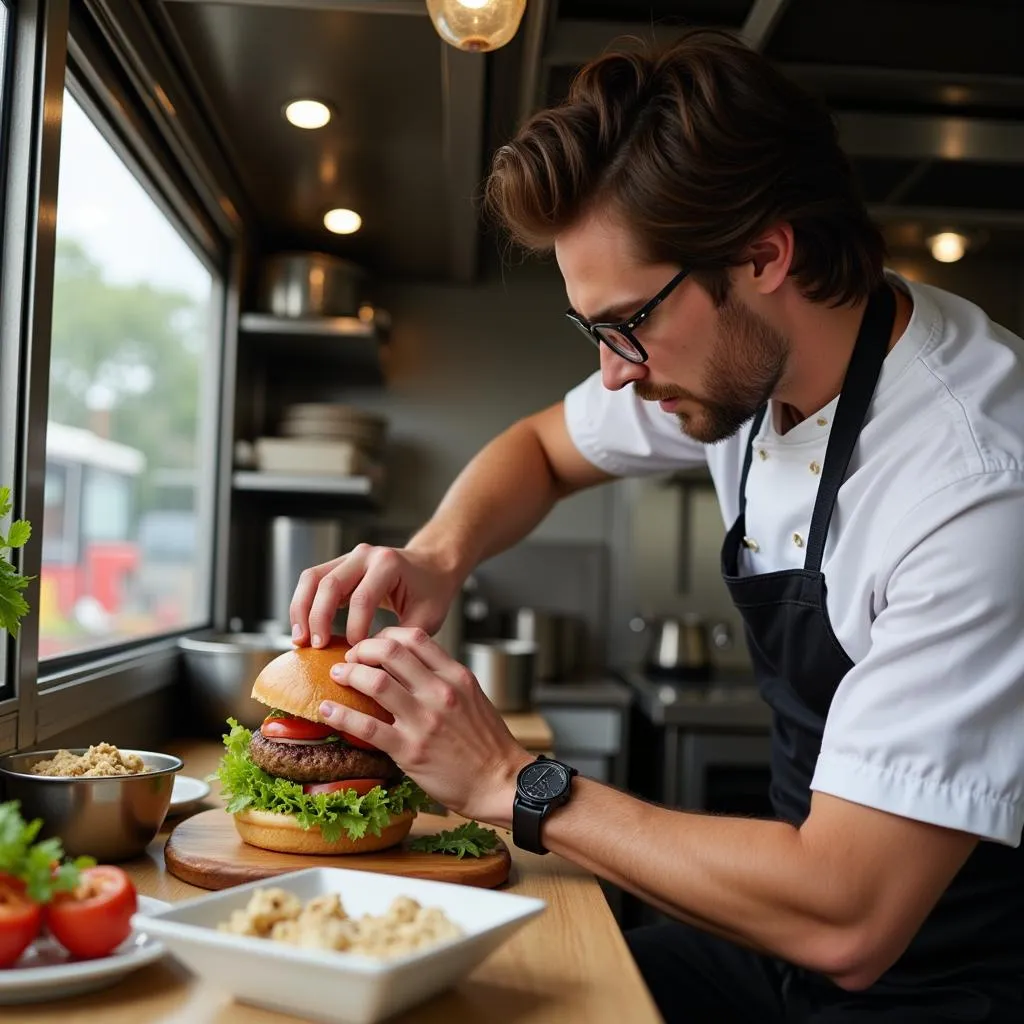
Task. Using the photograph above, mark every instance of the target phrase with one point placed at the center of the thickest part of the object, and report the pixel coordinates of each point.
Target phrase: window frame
(6, 74)
(95, 50)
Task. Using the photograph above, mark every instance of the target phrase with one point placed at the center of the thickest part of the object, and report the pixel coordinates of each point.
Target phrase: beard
(748, 361)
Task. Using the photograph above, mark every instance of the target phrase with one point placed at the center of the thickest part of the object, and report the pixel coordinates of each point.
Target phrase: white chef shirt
(924, 561)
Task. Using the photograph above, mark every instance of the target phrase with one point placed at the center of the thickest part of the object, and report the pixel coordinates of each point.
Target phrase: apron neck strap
(854, 401)
(862, 374)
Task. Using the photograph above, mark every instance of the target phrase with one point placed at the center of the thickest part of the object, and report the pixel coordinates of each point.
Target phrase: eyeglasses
(620, 337)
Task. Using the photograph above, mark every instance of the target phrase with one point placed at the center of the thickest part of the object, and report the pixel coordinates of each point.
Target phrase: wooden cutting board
(207, 851)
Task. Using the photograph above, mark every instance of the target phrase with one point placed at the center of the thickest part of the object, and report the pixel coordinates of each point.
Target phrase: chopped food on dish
(323, 923)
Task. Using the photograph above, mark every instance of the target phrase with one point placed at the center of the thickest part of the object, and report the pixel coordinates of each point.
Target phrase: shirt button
(822, 422)
(815, 468)
(752, 544)
(762, 454)
(798, 540)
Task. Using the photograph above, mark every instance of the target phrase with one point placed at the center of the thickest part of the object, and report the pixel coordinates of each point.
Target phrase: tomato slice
(294, 729)
(355, 741)
(303, 729)
(96, 918)
(20, 919)
(361, 786)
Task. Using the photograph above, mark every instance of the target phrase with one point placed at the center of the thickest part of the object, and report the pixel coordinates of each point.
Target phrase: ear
(770, 257)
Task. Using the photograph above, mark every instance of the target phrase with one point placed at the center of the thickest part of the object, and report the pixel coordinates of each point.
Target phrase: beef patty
(325, 762)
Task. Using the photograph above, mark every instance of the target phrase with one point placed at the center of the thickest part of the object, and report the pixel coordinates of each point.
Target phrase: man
(866, 439)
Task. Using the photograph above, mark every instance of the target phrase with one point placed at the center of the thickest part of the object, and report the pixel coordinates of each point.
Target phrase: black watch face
(543, 780)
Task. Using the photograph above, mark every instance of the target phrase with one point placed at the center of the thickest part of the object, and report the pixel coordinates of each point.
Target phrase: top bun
(298, 680)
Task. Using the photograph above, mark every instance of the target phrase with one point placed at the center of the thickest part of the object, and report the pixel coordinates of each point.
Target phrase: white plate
(46, 970)
(187, 793)
(307, 982)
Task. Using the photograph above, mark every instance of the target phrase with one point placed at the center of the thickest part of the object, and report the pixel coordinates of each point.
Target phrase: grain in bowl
(103, 760)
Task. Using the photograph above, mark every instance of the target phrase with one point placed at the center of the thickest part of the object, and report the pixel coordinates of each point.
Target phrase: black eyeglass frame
(628, 326)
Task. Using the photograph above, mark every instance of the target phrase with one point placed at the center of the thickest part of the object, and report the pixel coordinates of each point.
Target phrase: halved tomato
(361, 786)
(294, 729)
(96, 918)
(20, 919)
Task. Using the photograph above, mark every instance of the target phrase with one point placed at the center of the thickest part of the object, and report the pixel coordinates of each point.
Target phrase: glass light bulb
(342, 222)
(307, 113)
(948, 246)
(476, 25)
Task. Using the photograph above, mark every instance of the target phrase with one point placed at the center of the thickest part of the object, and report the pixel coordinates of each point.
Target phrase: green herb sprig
(13, 605)
(41, 866)
(470, 839)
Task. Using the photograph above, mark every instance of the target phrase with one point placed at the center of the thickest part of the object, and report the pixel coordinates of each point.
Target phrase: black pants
(697, 978)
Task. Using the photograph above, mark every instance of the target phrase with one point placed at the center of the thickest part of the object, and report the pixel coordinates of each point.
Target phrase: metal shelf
(315, 327)
(346, 341)
(364, 487)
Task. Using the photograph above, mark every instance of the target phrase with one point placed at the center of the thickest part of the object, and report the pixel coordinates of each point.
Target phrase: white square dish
(334, 987)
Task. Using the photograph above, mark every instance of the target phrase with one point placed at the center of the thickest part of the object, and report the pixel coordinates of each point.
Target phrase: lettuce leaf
(246, 785)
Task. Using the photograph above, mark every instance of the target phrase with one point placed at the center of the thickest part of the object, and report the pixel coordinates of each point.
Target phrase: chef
(865, 435)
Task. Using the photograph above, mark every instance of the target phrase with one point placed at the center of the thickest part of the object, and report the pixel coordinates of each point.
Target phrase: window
(128, 452)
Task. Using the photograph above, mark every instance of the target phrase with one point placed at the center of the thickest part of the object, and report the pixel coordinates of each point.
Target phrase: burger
(296, 785)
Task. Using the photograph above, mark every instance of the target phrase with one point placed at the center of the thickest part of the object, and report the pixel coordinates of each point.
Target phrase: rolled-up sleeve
(625, 436)
(929, 724)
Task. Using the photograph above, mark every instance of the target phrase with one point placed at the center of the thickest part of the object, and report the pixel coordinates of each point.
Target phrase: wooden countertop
(531, 730)
(569, 965)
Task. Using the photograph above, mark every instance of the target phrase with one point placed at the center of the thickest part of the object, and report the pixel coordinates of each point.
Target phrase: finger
(302, 599)
(380, 578)
(364, 727)
(396, 660)
(379, 685)
(333, 590)
(426, 649)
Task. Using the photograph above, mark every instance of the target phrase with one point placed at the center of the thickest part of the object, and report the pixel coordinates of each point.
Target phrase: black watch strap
(527, 819)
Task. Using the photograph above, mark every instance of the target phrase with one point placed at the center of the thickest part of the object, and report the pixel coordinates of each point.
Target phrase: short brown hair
(700, 148)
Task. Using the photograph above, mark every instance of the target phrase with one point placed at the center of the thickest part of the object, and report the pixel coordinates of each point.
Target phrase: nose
(617, 372)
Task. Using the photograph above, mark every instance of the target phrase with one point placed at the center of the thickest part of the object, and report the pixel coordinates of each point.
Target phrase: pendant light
(476, 25)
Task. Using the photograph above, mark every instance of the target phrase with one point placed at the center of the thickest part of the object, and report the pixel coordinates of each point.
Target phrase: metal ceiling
(929, 96)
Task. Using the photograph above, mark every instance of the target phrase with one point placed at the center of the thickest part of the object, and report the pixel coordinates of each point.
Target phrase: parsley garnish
(13, 605)
(469, 838)
(38, 865)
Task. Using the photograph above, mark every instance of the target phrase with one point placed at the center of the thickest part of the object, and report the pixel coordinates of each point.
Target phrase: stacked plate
(329, 422)
(324, 439)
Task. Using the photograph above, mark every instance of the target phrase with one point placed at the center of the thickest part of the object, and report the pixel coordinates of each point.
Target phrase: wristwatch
(541, 786)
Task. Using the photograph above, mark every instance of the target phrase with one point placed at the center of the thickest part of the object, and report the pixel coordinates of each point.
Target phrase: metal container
(219, 673)
(111, 819)
(295, 545)
(309, 284)
(677, 648)
(505, 671)
(544, 630)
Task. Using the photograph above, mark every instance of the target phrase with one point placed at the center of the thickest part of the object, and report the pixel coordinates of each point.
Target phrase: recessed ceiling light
(307, 113)
(342, 222)
(948, 246)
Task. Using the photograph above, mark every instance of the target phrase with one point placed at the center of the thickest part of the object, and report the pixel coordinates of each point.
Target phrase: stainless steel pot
(677, 648)
(505, 671)
(297, 284)
(558, 639)
(219, 673)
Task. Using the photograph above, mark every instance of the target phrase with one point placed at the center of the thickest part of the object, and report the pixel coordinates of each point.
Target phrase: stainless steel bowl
(112, 818)
(220, 671)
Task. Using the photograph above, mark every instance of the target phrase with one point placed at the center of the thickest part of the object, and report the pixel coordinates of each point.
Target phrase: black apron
(969, 953)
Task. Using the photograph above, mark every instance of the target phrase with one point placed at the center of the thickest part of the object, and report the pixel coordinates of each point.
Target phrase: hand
(411, 584)
(446, 734)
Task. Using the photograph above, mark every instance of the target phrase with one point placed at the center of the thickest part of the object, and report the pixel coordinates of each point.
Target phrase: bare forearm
(764, 884)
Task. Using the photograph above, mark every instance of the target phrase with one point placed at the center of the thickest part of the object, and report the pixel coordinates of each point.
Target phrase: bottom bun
(283, 834)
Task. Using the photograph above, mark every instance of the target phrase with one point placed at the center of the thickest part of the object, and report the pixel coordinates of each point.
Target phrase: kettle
(677, 648)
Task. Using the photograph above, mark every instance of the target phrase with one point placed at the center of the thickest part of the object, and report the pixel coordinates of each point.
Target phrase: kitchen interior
(379, 334)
